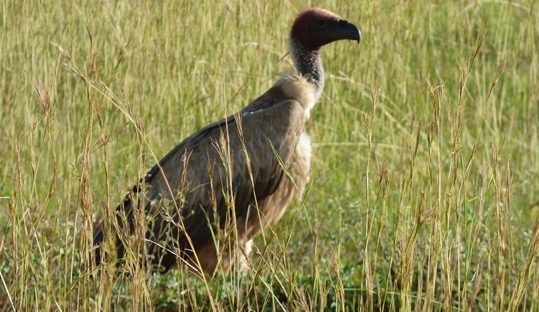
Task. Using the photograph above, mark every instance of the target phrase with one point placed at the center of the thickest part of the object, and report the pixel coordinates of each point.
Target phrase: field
(425, 187)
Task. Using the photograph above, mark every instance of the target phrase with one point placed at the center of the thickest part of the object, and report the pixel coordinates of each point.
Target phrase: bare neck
(308, 63)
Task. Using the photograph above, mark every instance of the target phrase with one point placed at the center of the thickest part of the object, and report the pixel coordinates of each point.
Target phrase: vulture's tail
(97, 243)
(121, 219)
(98, 240)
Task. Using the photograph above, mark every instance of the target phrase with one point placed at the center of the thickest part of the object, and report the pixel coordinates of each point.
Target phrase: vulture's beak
(349, 31)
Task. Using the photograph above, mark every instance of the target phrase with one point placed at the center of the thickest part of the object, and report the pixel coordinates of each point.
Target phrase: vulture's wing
(220, 172)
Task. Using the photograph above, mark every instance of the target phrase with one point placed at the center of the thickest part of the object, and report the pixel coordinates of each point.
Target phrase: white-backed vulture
(224, 184)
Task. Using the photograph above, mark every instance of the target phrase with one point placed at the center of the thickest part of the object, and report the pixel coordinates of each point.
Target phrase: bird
(203, 203)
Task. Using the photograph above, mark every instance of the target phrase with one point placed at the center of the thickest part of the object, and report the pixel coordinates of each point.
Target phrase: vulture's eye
(321, 22)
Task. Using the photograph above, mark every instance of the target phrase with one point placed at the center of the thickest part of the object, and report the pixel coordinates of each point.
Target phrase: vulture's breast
(301, 162)
(298, 88)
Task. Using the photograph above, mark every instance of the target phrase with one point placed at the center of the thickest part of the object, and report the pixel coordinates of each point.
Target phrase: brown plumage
(225, 183)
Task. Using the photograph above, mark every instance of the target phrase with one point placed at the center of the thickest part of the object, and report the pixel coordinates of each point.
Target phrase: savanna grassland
(425, 187)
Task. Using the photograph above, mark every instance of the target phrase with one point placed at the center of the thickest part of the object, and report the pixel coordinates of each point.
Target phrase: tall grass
(425, 187)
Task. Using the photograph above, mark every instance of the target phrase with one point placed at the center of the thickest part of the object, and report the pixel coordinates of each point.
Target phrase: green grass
(425, 187)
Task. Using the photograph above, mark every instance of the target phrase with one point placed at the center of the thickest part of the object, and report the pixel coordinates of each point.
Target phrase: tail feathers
(99, 231)
(97, 243)
(124, 223)
(98, 240)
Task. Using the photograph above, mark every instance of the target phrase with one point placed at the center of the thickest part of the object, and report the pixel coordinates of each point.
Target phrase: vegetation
(425, 190)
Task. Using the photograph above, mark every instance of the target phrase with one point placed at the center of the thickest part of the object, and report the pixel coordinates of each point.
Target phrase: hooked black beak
(349, 31)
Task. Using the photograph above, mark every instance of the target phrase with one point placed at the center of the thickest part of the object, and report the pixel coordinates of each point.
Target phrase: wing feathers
(222, 170)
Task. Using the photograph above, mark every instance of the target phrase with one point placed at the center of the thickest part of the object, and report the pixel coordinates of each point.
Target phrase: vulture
(203, 203)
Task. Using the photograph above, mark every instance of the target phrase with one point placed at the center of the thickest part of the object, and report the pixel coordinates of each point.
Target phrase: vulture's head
(315, 27)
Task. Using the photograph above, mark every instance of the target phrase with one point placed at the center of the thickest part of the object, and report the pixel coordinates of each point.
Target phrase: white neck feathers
(300, 89)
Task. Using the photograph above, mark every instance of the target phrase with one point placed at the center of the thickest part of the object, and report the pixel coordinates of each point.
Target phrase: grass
(425, 187)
